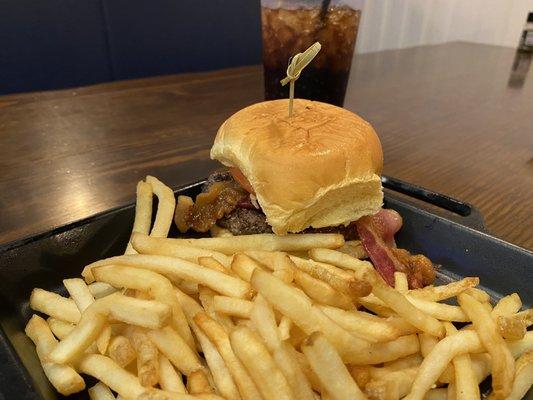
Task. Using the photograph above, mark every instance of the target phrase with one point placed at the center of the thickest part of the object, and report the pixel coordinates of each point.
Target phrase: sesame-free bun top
(318, 168)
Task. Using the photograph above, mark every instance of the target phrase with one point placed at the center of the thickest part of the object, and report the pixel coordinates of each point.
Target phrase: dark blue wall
(51, 44)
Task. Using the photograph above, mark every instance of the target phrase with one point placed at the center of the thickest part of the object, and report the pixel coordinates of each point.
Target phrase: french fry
(169, 379)
(427, 343)
(452, 391)
(264, 241)
(232, 307)
(285, 275)
(127, 309)
(273, 260)
(173, 346)
(197, 383)
(337, 278)
(481, 365)
(80, 293)
(511, 328)
(402, 325)
(339, 259)
(145, 244)
(300, 310)
(321, 292)
(443, 312)
(507, 306)
(101, 289)
(54, 305)
(188, 287)
(157, 394)
(81, 337)
(144, 313)
(443, 292)
(405, 309)
(121, 351)
(414, 360)
(63, 377)
(519, 347)
(378, 353)
(177, 269)
(100, 392)
(111, 374)
(391, 385)
(437, 394)
(364, 271)
(206, 297)
(286, 360)
(156, 285)
(523, 377)
(360, 374)
(466, 384)
(438, 359)
(243, 266)
(363, 325)
(147, 356)
(59, 328)
(336, 379)
(311, 376)
(284, 327)
(377, 307)
(478, 294)
(221, 374)
(502, 360)
(165, 207)
(219, 337)
(277, 261)
(259, 363)
(526, 317)
(212, 263)
(353, 248)
(264, 321)
(217, 231)
(183, 206)
(400, 282)
(143, 213)
(103, 339)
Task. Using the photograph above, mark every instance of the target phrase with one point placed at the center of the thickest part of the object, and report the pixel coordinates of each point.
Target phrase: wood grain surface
(446, 115)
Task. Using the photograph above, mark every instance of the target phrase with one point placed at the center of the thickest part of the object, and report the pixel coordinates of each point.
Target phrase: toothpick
(296, 64)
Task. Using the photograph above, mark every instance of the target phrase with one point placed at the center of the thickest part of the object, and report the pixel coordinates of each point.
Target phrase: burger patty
(245, 219)
(217, 176)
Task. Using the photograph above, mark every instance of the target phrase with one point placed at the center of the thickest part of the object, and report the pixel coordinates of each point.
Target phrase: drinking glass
(290, 27)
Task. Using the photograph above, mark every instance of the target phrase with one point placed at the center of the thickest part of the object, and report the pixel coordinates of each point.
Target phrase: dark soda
(290, 31)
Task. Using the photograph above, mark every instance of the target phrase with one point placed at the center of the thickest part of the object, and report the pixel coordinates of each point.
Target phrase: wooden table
(447, 119)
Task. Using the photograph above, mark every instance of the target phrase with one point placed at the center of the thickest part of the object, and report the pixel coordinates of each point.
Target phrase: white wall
(393, 24)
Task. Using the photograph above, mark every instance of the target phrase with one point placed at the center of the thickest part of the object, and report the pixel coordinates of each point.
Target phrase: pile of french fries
(270, 317)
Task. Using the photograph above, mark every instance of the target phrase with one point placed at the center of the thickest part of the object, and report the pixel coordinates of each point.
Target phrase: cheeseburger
(316, 171)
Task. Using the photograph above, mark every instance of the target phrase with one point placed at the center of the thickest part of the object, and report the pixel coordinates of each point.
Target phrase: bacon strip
(385, 224)
(377, 236)
(380, 254)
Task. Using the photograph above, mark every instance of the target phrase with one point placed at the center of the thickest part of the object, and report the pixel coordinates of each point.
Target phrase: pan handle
(470, 215)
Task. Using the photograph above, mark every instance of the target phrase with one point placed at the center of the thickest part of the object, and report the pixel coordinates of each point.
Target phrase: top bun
(318, 168)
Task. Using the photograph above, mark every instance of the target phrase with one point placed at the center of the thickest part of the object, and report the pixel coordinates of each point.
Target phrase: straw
(296, 64)
(324, 10)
